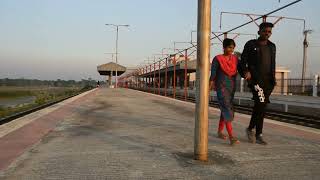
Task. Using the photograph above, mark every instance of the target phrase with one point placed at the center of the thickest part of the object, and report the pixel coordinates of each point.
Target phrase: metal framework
(163, 62)
(203, 53)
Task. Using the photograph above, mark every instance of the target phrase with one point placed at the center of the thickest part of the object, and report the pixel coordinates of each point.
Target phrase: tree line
(51, 83)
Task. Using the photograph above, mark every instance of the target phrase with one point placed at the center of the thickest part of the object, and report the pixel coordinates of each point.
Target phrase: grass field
(17, 99)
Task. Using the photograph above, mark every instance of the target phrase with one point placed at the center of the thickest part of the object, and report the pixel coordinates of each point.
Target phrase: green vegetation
(13, 110)
(14, 93)
(42, 92)
(42, 96)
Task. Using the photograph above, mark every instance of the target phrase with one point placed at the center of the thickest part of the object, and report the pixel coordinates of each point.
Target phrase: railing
(283, 87)
(290, 87)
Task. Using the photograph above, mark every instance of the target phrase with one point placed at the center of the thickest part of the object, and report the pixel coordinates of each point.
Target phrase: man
(257, 66)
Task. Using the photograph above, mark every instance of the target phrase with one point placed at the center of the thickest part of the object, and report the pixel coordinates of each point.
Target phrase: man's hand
(247, 76)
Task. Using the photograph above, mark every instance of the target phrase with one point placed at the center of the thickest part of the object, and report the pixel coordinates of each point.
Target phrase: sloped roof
(106, 69)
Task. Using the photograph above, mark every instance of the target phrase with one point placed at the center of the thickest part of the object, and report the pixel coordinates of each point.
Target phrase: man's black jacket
(251, 61)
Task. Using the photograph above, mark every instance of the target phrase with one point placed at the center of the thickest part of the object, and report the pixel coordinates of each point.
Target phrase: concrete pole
(315, 86)
(304, 66)
(159, 78)
(117, 57)
(185, 74)
(174, 76)
(202, 79)
(110, 79)
(305, 46)
(166, 79)
(264, 19)
(225, 35)
(154, 75)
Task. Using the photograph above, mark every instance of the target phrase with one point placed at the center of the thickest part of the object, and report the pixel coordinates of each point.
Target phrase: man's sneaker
(260, 140)
(233, 141)
(250, 135)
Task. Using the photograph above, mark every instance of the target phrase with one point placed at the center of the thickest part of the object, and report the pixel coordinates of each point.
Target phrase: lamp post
(117, 27)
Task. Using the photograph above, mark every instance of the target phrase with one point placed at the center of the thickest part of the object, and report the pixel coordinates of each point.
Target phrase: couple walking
(257, 66)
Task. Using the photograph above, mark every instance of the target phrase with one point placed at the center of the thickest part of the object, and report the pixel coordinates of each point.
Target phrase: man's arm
(243, 64)
(274, 65)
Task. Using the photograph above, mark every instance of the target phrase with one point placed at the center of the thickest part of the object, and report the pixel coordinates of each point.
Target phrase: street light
(112, 55)
(117, 26)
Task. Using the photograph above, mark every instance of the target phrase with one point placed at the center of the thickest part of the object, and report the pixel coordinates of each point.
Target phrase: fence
(284, 86)
(287, 87)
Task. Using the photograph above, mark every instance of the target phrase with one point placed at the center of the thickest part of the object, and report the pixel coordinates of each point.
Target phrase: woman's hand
(211, 86)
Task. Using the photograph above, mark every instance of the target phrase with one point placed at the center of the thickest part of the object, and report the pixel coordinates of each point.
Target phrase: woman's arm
(214, 68)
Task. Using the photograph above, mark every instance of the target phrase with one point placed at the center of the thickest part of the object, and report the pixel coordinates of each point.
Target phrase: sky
(59, 39)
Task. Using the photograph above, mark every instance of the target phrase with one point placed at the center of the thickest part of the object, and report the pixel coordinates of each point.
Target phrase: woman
(223, 79)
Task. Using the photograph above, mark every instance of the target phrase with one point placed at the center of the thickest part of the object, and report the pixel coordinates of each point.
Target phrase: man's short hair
(265, 25)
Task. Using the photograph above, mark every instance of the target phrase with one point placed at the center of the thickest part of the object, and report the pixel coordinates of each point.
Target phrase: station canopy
(111, 67)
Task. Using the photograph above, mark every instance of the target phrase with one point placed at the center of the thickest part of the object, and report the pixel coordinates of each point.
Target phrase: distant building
(147, 77)
(110, 70)
(282, 81)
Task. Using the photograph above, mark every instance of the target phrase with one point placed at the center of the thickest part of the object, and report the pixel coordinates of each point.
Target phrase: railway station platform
(127, 134)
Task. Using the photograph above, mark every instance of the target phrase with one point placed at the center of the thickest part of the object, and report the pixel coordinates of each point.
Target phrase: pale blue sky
(51, 39)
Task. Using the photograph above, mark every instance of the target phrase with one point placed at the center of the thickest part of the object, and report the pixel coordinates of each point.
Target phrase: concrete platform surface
(126, 134)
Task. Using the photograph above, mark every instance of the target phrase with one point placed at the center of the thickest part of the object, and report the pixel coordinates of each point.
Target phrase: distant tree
(35, 82)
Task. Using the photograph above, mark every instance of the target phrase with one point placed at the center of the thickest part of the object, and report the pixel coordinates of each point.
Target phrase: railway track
(304, 120)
